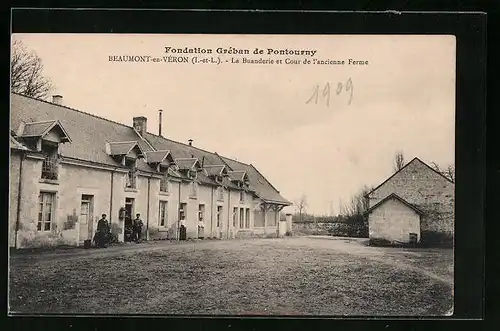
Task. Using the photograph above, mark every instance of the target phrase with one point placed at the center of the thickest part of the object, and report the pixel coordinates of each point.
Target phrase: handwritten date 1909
(348, 87)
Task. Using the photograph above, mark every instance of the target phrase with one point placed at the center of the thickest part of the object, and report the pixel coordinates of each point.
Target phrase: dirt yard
(290, 276)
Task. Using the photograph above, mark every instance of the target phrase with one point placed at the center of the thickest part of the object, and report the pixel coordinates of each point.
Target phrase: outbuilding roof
(394, 196)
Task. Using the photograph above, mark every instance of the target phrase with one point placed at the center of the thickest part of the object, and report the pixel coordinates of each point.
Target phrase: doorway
(129, 211)
(86, 218)
(182, 225)
(219, 221)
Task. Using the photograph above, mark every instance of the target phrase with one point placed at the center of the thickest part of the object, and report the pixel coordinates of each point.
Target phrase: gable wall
(427, 190)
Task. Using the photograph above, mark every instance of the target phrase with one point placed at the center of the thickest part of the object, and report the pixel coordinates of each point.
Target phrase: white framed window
(235, 215)
(194, 189)
(163, 217)
(45, 210)
(132, 174)
(220, 193)
(247, 218)
(164, 184)
(242, 218)
(201, 213)
(50, 163)
(183, 210)
(219, 216)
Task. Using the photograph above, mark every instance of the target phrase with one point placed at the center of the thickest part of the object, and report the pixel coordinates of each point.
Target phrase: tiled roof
(41, 128)
(16, 144)
(214, 170)
(121, 147)
(36, 129)
(237, 175)
(157, 156)
(186, 163)
(90, 133)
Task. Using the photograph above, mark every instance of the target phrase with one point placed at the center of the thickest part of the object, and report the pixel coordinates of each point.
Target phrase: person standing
(201, 229)
(138, 224)
(183, 228)
(101, 235)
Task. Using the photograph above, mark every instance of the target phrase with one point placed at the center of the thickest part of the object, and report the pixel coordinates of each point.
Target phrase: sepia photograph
(232, 174)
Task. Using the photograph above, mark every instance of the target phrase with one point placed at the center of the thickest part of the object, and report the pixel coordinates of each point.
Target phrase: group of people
(134, 229)
(102, 236)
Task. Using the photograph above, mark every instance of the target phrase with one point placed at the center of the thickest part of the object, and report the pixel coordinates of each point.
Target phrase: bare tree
(27, 73)
(399, 161)
(358, 205)
(301, 205)
(449, 172)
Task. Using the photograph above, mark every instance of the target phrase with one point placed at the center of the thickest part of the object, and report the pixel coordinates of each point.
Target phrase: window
(45, 211)
(220, 193)
(182, 210)
(247, 218)
(242, 220)
(242, 196)
(201, 213)
(194, 189)
(164, 183)
(219, 215)
(163, 219)
(50, 162)
(235, 215)
(132, 174)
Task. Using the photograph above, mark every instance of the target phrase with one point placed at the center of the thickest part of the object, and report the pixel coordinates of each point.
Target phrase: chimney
(190, 141)
(57, 99)
(159, 122)
(140, 124)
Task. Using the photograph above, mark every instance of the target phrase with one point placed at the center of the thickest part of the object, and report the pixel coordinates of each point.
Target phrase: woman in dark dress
(102, 234)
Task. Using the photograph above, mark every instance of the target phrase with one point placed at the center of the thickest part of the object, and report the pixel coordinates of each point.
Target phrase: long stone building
(415, 201)
(68, 167)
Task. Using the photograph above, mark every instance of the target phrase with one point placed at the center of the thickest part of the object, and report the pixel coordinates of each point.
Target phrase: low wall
(330, 228)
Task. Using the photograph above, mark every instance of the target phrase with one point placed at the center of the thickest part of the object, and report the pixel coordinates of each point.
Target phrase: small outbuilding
(416, 203)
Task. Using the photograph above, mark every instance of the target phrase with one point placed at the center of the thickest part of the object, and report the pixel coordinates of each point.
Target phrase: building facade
(416, 201)
(68, 167)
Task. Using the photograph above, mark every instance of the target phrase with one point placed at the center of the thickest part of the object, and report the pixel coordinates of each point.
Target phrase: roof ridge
(73, 109)
(38, 122)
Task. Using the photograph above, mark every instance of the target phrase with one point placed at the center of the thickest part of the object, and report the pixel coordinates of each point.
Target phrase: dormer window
(50, 163)
(45, 137)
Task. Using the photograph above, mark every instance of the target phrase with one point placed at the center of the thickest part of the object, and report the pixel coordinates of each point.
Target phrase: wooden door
(85, 219)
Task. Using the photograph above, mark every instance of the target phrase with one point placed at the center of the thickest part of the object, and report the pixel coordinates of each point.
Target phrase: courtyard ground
(289, 276)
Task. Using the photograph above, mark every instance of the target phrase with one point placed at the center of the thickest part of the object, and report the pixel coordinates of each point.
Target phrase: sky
(402, 100)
